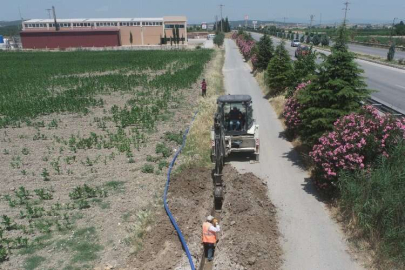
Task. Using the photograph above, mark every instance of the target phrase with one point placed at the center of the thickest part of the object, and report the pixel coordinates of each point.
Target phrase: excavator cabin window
(235, 115)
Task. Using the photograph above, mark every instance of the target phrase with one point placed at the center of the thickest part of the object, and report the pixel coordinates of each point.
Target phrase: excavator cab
(235, 117)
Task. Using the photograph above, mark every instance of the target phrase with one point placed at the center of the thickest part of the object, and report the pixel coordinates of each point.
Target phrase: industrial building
(43, 33)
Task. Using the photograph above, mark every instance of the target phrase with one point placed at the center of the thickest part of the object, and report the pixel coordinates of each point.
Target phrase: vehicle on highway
(210, 36)
(301, 50)
(295, 43)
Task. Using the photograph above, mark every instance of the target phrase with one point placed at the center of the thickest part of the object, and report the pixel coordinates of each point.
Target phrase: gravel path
(311, 239)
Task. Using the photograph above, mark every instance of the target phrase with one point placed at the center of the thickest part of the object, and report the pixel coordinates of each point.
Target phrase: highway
(375, 51)
(311, 239)
(388, 82)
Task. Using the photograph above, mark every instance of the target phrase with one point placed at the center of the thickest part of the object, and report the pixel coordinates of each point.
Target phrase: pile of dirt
(190, 199)
(249, 237)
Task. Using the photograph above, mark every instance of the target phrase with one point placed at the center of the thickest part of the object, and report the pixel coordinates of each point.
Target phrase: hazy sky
(205, 10)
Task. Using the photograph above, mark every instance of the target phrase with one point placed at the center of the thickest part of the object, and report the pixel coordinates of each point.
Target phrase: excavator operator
(236, 119)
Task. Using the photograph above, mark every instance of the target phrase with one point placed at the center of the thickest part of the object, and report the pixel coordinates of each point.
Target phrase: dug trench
(249, 237)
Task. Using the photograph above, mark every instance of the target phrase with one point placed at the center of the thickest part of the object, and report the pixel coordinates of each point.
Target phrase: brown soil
(249, 237)
(117, 219)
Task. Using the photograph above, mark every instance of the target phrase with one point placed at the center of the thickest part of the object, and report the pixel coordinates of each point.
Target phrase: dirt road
(311, 239)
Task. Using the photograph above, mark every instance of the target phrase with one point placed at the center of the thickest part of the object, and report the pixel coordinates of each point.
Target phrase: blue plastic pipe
(176, 227)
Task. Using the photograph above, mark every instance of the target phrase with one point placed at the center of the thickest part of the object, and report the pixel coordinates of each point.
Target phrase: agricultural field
(86, 139)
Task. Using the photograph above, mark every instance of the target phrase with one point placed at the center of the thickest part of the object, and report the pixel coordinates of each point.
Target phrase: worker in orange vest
(209, 236)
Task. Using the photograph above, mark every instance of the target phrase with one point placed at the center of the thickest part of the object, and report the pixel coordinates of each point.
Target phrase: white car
(210, 36)
(295, 43)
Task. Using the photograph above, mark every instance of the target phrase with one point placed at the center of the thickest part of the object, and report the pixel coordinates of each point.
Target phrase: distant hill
(10, 23)
(10, 28)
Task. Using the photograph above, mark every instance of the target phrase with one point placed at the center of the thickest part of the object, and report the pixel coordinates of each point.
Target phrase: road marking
(403, 87)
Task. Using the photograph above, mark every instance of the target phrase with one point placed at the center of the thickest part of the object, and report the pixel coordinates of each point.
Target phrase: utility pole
(312, 20)
(320, 20)
(49, 12)
(54, 17)
(19, 11)
(284, 18)
(222, 20)
(216, 22)
(346, 9)
(392, 28)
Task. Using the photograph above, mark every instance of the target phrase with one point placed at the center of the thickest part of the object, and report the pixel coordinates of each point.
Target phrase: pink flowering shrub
(245, 45)
(355, 143)
(291, 111)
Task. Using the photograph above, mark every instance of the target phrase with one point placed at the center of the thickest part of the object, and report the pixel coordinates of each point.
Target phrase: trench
(215, 212)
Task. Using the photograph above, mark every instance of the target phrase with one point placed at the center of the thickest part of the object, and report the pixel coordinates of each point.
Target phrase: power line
(346, 9)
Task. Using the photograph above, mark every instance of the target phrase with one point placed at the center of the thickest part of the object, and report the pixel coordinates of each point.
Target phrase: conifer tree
(177, 35)
(325, 40)
(337, 90)
(308, 40)
(316, 40)
(265, 52)
(391, 52)
(304, 68)
(279, 70)
(297, 36)
(131, 38)
(302, 39)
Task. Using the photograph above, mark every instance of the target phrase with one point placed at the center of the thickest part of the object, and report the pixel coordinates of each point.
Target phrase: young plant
(45, 174)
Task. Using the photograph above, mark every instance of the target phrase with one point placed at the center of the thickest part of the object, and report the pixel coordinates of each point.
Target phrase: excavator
(234, 130)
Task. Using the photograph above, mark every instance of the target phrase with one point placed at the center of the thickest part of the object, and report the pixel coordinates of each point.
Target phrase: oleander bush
(357, 140)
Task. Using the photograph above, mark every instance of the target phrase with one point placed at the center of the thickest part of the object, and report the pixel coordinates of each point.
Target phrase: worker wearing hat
(209, 236)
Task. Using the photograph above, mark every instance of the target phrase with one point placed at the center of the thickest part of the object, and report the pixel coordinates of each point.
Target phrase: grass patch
(83, 244)
(198, 145)
(33, 262)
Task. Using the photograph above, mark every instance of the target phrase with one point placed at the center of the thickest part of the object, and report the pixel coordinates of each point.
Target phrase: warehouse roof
(168, 18)
(71, 30)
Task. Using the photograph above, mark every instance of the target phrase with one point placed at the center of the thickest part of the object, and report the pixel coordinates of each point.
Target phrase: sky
(374, 11)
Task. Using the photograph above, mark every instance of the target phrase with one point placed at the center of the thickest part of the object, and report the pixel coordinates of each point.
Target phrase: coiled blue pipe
(176, 227)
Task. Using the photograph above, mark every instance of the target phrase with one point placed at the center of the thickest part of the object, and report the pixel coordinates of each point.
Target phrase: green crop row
(39, 83)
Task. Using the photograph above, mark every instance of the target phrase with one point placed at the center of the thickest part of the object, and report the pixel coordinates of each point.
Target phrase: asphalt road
(380, 52)
(388, 82)
(311, 239)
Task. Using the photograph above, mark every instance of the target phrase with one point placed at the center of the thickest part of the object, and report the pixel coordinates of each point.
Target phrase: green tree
(219, 39)
(279, 70)
(227, 26)
(316, 40)
(337, 90)
(177, 35)
(131, 38)
(173, 39)
(302, 39)
(265, 52)
(325, 40)
(297, 35)
(308, 40)
(304, 69)
(400, 29)
(391, 52)
(165, 39)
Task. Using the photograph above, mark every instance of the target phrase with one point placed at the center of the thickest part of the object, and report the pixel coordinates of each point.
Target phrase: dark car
(301, 50)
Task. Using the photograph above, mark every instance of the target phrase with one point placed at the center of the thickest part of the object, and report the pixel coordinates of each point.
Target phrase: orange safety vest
(207, 235)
